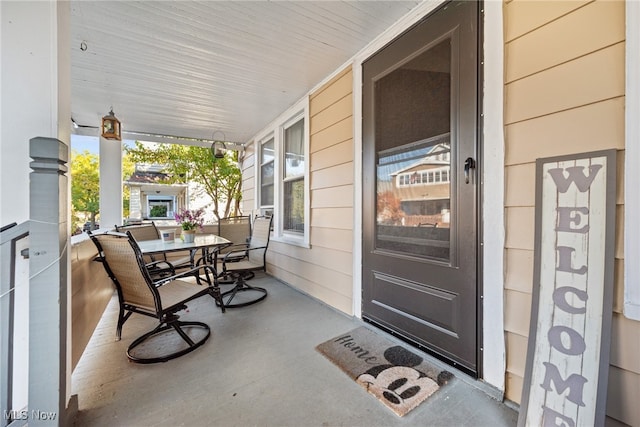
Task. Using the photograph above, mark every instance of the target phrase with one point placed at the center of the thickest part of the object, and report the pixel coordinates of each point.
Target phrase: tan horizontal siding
(618, 286)
(338, 111)
(553, 44)
(341, 152)
(248, 203)
(591, 127)
(330, 278)
(520, 230)
(331, 298)
(620, 178)
(586, 80)
(625, 351)
(332, 238)
(520, 188)
(513, 387)
(249, 159)
(622, 396)
(519, 275)
(341, 174)
(564, 94)
(333, 197)
(340, 218)
(516, 354)
(320, 256)
(325, 271)
(524, 16)
(518, 313)
(339, 132)
(333, 91)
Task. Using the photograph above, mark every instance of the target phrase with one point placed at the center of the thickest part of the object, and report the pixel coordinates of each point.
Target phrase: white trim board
(631, 171)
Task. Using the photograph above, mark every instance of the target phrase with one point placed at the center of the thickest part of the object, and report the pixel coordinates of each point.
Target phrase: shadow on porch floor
(259, 367)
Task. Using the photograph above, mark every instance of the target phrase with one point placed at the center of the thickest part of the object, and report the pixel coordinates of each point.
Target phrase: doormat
(400, 379)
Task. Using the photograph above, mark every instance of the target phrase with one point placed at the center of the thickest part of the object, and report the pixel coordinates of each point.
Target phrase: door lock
(468, 164)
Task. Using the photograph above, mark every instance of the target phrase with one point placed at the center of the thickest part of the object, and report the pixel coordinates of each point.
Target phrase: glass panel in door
(413, 168)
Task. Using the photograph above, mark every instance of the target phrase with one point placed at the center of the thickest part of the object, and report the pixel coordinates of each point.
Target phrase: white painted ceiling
(189, 69)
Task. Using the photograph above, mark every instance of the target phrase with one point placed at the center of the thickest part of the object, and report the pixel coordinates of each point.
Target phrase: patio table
(208, 244)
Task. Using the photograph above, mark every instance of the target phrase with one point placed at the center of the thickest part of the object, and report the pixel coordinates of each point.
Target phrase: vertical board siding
(325, 271)
(562, 100)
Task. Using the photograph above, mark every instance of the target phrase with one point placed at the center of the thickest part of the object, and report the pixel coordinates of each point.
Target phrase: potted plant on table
(189, 221)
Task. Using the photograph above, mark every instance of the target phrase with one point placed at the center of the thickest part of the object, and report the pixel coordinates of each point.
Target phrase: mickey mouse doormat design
(400, 379)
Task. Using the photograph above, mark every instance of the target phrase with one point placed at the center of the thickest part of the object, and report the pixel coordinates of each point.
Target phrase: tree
(221, 179)
(128, 166)
(85, 185)
(389, 209)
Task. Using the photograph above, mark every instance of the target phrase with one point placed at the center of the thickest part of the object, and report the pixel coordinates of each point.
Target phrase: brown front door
(420, 185)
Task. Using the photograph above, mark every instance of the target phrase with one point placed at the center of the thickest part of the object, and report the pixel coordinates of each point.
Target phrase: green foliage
(158, 212)
(128, 166)
(85, 185)
(220, 178)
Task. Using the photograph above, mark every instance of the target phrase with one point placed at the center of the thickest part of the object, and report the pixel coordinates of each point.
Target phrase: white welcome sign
(565, 380)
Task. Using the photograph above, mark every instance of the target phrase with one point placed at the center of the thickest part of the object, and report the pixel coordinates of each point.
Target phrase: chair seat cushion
(176, 291)
(245, 264)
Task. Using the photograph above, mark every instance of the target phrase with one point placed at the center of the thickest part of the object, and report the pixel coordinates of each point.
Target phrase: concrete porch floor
(259, 368)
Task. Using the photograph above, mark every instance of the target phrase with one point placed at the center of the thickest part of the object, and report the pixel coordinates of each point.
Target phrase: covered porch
(259, 367)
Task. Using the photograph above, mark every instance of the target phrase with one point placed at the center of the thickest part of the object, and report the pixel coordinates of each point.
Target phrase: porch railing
(33, 302)
(14, 323)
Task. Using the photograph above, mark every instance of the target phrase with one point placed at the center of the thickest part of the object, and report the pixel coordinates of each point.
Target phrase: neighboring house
(152, 199)
(423, 187)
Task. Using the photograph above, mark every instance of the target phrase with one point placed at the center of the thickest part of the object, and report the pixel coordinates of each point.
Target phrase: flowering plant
(190, 219)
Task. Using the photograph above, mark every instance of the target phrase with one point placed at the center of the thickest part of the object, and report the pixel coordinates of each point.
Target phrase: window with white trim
(282, 169)
(293, 178)
(267, 175)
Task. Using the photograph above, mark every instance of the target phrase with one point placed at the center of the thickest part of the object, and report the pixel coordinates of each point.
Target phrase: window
(282, 170)
(160, 206)
(267, 157)
(440, 175)
(293, 178)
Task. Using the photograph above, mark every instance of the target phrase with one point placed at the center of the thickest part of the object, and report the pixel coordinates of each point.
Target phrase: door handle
(468, 164)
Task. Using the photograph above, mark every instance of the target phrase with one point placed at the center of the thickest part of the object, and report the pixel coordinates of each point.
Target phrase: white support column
(494, 359)
(35, 51)
(48, 279)
(110, 183)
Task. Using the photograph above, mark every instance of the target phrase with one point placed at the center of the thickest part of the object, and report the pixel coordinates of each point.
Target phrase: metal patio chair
(161, 299)
(236, 229)
(241, 261)
(163, 264)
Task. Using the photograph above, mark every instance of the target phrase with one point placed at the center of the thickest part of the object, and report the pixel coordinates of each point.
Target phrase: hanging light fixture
(218, 148)
(111, 127)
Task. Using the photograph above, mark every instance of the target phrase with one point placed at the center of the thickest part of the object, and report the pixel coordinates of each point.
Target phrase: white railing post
(48, 281)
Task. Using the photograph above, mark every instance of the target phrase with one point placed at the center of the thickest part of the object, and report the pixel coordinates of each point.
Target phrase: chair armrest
(156, 264)
(208, 269)
(240, 255)
(236, 252)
